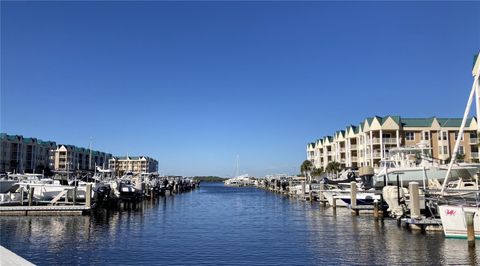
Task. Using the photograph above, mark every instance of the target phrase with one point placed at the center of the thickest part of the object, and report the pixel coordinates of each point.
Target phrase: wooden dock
(43, 210)
(423, 224)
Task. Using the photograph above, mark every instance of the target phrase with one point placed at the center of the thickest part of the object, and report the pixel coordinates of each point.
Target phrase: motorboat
(415, 165)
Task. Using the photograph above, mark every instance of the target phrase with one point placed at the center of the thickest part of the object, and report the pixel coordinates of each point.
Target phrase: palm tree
(306, 167)
(333, 167)
(317, 171)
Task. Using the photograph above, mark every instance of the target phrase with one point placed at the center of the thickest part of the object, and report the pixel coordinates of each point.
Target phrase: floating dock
(43, 210)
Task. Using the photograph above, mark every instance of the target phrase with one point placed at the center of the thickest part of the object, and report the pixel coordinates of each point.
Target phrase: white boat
(343, 197)
(454, 215)
(6, 185)
(454, 221)
(240, 181)
(414, 165)
(46, 189)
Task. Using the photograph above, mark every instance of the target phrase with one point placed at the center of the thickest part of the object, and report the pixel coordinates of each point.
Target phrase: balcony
(353, 146)
(389, 141)
(375, 155)
(354, 158)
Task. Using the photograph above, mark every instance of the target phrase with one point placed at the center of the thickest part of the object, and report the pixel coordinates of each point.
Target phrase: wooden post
(398, 190)
(303, 190)
(334, 202)
(353, 196)
(30, 196)
(320, 193)
(88, 196)
(310, 193)
(414, 200)
(21, 196)
(470, 229)
(375, 209)
(74, 197)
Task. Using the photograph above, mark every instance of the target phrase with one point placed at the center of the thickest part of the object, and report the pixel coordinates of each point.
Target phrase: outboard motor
(366, 174)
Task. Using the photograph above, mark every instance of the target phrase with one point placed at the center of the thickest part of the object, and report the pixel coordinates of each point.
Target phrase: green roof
(452, 122)
(369, 120)
(474, 60)
(355, 129)
(417, 122)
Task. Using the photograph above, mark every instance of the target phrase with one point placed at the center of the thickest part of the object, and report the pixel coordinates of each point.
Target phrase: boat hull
(453, 220)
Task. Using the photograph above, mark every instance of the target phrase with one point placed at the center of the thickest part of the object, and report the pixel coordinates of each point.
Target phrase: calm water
(226, 226)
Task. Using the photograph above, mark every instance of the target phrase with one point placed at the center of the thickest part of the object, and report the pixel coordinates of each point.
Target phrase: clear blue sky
(193, 84)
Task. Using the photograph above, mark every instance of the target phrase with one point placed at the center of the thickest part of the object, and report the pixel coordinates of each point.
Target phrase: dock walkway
(43, 210)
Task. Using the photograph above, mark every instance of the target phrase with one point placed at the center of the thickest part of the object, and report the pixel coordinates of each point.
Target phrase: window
(444, 135)
(456, 136)
(445, 150)
(426, 135)
(410, 136)
(461, 150)
(386, 135)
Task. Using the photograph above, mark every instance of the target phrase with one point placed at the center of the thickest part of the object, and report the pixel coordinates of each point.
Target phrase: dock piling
(414, 200)
(353, 196)
(375, 209)
(470, 229)
(30, 196)
(74, 199)
(88, 196)
(21, 196)
(303, 190)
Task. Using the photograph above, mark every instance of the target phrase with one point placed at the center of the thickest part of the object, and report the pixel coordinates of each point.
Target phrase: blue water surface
(217, 225)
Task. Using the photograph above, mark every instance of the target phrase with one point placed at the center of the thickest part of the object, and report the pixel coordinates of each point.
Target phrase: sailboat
(239, 180)
(453, 215)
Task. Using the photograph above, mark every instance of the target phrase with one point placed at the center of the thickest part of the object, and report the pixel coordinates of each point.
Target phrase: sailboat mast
(474, 90)
(476, 74)
(237, 173)
(90, 156)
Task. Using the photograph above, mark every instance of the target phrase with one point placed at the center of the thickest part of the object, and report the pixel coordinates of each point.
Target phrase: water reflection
(226, 226)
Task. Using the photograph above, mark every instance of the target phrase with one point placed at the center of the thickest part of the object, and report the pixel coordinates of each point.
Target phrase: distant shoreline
(209, 179)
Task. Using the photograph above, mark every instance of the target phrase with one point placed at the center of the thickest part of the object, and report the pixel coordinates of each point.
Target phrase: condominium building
(20, 154)
(139, 164)
(70, 158)
(371, 140)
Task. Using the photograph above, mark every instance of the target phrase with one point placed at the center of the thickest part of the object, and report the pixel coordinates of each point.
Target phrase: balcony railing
(384, 141)
(389, 140)
(353, 147)
(342, 149)
(474, 154)
(473, 140)
(354, 158)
